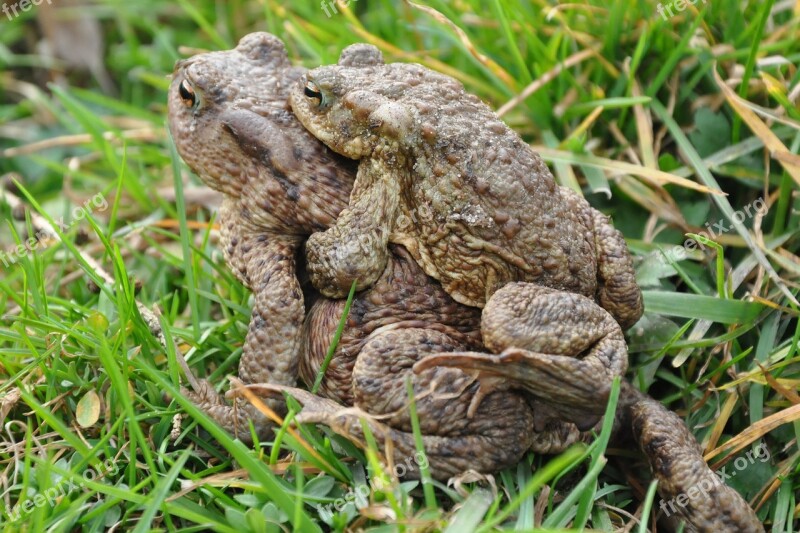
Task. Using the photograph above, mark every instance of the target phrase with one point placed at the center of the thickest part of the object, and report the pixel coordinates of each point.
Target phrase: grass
(649, 117)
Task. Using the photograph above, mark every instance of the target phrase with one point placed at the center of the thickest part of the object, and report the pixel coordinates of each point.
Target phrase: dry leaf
(88, 410)
(777, 149)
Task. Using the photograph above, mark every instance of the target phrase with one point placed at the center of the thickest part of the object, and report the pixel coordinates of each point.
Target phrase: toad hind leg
(234, 419)
(560, 347)
(496, 437)
(677, 461)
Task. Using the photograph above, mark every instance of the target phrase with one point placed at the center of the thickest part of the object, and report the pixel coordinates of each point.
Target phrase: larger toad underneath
(230, 121)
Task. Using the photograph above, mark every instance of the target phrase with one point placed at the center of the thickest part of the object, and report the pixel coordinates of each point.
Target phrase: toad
(441, 174)
(230, 122)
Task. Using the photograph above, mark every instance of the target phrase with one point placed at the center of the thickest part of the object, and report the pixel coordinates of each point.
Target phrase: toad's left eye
(187, 94)
(312, 91)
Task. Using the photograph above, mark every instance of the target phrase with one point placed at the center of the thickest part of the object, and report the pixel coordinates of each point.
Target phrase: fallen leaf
(88, 410)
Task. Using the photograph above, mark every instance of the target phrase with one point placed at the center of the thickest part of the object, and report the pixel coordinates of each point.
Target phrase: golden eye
(312, 91)
(187, 94)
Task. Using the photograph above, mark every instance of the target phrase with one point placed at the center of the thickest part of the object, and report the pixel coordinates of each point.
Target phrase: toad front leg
(270, 354)
(560, 347)
(355, 248)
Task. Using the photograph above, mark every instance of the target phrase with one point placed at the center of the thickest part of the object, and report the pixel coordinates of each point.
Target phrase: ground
(649, 110)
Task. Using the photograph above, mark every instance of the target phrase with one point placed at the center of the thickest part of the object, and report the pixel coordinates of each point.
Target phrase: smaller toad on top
(442, 175)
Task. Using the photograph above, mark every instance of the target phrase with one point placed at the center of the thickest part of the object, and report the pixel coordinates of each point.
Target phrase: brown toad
(230, 121)
(475, 206)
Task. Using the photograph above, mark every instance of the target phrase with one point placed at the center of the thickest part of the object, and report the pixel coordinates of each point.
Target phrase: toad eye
(312, 91)
(187, 94)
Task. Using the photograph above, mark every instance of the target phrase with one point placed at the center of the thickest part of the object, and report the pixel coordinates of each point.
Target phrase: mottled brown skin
(230, 121)
(554, 344)
(280, 184)
(441, 174)
(391, 326)
(405, 317)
